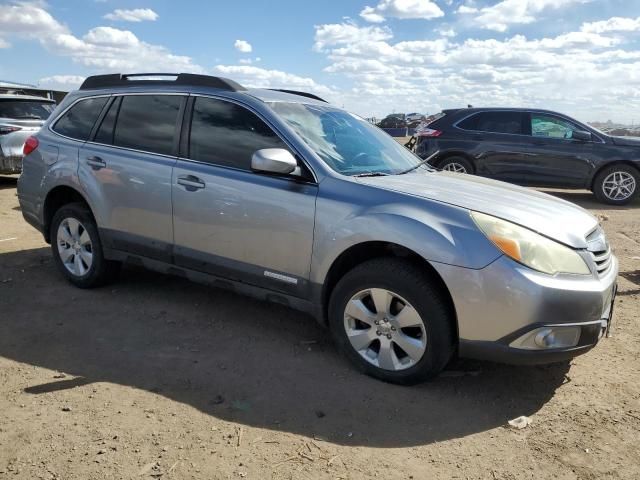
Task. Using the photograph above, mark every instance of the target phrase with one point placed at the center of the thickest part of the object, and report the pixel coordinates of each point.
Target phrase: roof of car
(469, 110)
(18, 96)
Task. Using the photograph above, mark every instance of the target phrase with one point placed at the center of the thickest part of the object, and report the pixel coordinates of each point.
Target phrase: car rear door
(126, 172)
(557, 158)
(231, 221)
(498, 143)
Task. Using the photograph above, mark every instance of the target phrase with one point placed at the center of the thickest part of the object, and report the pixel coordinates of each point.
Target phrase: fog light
(545, 338)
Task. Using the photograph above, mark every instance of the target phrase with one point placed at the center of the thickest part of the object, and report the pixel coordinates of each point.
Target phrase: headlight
(529, 248)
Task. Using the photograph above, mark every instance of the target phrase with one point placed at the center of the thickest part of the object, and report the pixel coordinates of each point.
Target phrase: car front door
(126, 170)
(558, 159)
(230, 221)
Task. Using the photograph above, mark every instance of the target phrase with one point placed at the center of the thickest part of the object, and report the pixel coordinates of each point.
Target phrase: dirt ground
(155, 377)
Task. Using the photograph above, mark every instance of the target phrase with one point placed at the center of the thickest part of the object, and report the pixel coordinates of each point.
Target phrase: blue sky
(581, 57)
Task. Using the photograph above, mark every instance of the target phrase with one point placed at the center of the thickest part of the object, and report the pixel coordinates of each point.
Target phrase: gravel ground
(155, 377)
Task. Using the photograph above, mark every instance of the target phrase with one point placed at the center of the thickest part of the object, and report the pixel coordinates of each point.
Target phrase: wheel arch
(56, 198)
(362, 252)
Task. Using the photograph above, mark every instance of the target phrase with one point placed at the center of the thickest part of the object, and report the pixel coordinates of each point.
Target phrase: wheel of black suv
(617, 184)
(77, 250)
(392, 321)
(456, 164)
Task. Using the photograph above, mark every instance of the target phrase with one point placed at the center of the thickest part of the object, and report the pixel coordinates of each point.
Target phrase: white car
(20, 117)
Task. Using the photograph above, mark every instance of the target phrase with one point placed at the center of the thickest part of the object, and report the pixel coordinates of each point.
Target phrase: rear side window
(147, 123)
(105, 132)
(78, 121)
(494, 122)
(26, 109)
(227, 134)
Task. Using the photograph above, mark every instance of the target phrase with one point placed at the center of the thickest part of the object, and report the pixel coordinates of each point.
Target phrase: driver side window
(548, 126)
(224, 133)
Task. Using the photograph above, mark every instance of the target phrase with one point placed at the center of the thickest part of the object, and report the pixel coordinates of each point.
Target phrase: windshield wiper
(371, 174)
(426, 160)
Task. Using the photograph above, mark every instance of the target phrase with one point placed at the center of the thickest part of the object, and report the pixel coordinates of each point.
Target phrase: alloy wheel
(385, 329)
(74, 247)
(619, 186)
(455, 167)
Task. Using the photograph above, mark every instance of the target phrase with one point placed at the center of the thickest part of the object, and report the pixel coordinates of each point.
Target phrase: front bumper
(502, 303)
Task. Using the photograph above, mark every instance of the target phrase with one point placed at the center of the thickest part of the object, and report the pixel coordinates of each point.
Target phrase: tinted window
(78, 121)
(147, 122)
(105, 132)
(551, 127)
(227, 134)
(494, 122)
(27, 109)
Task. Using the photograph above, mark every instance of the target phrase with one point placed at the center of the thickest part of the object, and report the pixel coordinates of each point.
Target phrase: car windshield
(347, 143)
(26, 109)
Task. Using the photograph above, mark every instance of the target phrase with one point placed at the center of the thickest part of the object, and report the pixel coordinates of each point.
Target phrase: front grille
(599, 250)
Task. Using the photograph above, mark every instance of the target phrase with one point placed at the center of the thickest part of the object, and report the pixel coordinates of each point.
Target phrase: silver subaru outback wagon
(289, 199)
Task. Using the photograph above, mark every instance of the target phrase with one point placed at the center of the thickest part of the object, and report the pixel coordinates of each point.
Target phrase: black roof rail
(187, 79)
(302, 94)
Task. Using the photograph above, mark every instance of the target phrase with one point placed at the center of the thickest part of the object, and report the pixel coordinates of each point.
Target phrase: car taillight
(4, 129)
(428, 132)
(30, 145)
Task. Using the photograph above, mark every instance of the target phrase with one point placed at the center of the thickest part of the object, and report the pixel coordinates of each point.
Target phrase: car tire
(617, 185)
(456, 164)
(77, 249)
(370, 346)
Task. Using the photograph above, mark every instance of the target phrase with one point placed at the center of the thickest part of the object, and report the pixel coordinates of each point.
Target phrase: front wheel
(77, 249)
(392, 322)
(617, 184)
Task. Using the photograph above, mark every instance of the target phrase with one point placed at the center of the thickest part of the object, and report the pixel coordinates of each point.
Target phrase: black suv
(535, 148)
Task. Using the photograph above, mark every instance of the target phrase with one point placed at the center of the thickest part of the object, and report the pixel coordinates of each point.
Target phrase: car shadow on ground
(241, 360)
(8, 182)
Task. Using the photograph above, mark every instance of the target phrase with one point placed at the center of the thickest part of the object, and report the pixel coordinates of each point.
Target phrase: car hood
(554, 218)
(626, 141)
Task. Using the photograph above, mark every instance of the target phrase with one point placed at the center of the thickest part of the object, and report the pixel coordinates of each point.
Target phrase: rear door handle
(96, 163)
(191, 182)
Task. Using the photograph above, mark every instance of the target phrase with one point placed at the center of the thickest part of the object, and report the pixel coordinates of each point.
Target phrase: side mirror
(273, 160)
(581, 136)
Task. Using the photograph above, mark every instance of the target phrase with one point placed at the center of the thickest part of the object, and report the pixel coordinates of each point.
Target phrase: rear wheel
(456, 164)
(617, 184)
(77, 249)
(391, 321)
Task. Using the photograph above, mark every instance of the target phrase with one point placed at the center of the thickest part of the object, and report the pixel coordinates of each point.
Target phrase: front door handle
(191, 182)
(96, 163)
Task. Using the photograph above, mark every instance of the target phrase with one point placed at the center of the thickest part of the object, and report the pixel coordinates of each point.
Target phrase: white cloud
(578, 72)
(4, 43)
(101, 48)
(243, 46)
(446, 32)
(403, 9)
(500, 16)
(614, 24)
(61, 82)
(347, 33)
(135, 15)
(466, 9)
(252, 76)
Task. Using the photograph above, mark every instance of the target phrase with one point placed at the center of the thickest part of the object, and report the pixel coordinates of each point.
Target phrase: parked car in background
(20, 117)
(292, 200)
(395, 120)
(414, 117)
(533, 147)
